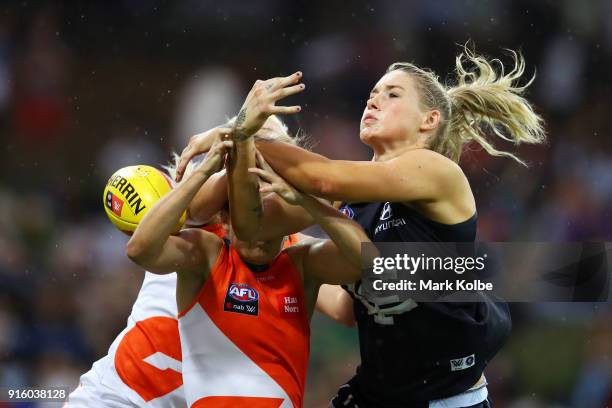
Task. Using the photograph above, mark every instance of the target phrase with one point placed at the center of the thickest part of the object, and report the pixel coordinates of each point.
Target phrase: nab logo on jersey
(241, 298)
(348, 211)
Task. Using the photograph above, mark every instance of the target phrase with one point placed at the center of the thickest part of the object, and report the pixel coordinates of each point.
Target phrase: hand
(198, 144)
(215, 158)
(260, 103)
(276, 183)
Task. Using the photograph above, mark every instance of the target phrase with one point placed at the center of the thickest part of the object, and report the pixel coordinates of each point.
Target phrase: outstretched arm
(415, 175)
(152, 245)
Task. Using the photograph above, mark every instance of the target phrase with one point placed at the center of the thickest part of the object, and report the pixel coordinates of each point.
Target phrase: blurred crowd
(88, 88)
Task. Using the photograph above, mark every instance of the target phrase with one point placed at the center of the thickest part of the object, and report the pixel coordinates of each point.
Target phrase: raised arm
(152, 245)
(245, 202)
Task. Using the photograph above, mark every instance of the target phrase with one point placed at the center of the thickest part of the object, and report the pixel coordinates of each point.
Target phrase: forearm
(245, 201)
(305, 170)
(336, 303)
(209, 200)
(344, 232)
(159, 222)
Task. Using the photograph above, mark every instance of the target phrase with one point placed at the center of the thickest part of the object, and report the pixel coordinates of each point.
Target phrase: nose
(372, 102)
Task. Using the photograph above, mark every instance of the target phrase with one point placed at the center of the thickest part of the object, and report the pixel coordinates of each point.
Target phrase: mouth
(369, 118)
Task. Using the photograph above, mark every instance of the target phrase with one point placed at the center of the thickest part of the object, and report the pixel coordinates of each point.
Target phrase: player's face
(257, 252)
(393, 112)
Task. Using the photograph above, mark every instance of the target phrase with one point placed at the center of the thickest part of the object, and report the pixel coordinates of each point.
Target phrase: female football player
(244, 307)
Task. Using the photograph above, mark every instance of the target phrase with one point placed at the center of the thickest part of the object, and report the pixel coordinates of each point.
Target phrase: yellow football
(131, 192)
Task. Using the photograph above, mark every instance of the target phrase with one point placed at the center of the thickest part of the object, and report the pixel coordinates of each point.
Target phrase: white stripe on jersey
(214, 366)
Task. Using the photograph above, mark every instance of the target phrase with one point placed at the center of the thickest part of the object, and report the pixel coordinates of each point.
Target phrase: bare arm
(209, 200)
(245, 202)
(152, 245)
(415, 175)
(337, 304)
(256, 217)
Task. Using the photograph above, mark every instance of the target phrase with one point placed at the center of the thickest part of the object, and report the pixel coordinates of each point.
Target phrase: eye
(393, 95)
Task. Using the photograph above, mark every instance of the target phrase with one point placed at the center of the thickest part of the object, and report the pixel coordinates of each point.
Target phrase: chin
(366, 136)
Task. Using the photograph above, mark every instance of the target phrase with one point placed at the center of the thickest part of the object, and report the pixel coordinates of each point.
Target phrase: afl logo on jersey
(348, 211)
(242, 292)
(386, 212)
(241, 298)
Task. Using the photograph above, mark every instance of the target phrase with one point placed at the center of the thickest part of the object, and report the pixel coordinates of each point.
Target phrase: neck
(384, 154)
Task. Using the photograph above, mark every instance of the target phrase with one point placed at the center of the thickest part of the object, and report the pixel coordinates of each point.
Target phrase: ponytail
(483, 102)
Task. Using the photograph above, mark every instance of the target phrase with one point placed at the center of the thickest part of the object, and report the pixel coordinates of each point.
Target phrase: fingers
(285, 110)
(186, 157)
(259, 159)
(261, 162)
(224, 130)
(264, 175)
(284, 92)
(225, 146)
(266, 189)
(198, 144)
(282, 82)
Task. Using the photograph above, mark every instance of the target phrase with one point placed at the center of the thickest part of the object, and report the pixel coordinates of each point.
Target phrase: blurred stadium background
(86, 88)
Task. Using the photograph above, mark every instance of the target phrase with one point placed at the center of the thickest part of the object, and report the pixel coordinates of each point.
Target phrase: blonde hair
(283, 136)
(483, 101)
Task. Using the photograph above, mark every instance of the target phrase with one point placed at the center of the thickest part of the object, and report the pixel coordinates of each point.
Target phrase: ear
(431, 120)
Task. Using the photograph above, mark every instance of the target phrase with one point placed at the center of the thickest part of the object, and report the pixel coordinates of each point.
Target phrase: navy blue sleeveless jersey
(411, 354)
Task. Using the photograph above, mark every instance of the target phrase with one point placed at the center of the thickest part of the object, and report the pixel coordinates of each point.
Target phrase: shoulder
(301, 247)
(299, 253)
(430, 160)
(200, 236)
(433, 165)
(204, 244)
(305, 248)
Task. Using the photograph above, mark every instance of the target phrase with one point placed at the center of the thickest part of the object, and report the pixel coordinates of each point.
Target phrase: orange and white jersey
(245, 338)
(143, 364)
